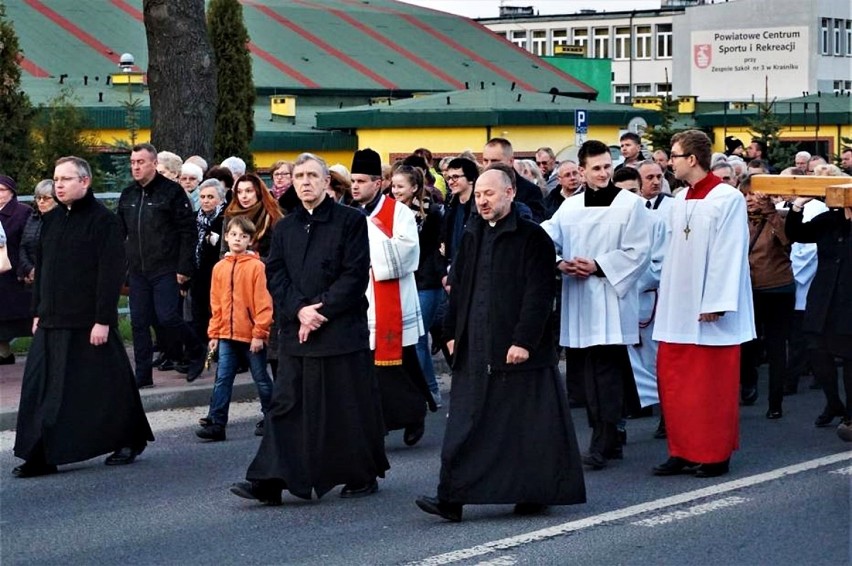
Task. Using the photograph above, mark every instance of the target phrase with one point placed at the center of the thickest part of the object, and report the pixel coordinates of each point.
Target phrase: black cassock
(78, 401)
(509, 436)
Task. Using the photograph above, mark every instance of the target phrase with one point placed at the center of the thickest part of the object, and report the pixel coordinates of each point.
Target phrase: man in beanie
(394, 312)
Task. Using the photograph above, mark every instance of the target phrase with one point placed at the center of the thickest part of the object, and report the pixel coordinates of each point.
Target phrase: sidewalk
(170, 391)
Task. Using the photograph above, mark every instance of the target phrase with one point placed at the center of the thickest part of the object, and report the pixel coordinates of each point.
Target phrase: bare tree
(181, 77)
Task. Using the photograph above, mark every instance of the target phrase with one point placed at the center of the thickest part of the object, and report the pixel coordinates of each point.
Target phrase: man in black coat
(509, 436)
(78, 398)
(160, 231)
(324, 427)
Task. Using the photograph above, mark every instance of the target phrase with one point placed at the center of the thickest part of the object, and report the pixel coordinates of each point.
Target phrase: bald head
(494, 194)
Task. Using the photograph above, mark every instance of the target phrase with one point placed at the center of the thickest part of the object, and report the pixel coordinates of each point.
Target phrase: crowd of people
(664, 281)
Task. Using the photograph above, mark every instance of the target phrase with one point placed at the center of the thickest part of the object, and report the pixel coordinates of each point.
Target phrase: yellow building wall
(110, 137)
(265, 159)
(831, 132)
(525, 139)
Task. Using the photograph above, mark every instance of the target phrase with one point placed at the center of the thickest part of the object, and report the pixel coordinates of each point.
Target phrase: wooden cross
(837, 191)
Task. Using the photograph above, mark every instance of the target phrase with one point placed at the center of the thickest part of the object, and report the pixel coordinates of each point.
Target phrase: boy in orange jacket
(241, 309)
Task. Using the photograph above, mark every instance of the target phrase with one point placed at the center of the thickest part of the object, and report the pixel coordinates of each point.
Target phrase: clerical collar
(601, 197)
(371, 206)
(703, 187)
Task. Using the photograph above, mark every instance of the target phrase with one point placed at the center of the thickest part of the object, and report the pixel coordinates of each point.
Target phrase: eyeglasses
(542, 162)
(67, 179)
(44, 198)
(674, 155)
(454, 178)
(285, 174)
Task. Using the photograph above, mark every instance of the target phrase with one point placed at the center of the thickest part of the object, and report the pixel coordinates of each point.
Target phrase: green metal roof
(377, 47)
(489, 106)
(823, 108)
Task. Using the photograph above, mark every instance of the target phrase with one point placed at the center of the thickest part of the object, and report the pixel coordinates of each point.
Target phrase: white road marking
(691, 512)
(632, 511)
(842, 471)
(507, 560)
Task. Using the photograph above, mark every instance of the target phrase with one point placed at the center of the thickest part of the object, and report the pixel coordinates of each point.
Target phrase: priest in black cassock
(78, 397)
(509, 437)
(324, 427)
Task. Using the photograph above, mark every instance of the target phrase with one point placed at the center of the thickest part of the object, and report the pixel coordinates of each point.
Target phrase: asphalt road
(786, 501)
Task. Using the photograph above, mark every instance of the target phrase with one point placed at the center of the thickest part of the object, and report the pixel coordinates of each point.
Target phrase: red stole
(388, 305)
(703, 187)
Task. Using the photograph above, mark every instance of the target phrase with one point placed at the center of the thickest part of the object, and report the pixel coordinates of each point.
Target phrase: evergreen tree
(236, 94)
(767, 127)
(16, 111)
(59, 131)
(660, 136)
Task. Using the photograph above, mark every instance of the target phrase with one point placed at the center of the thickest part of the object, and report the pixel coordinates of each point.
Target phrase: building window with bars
(664, 41)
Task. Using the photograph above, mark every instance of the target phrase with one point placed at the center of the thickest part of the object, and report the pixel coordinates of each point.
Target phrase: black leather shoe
(256, 492)
(674, 466)
(196, 366)
(526, 509)
(212, 432)
(258, 428)
(351, 491)
(123, 456)
(773, 415)
(32, 470)
(594, 460)
(825, 419)
(158, 361)
(748, 397)
(713, 470)
(166, 365)
(434, 506)
(413, 434)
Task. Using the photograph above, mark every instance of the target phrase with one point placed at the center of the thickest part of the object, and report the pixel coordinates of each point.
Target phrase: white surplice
(643, 356)
(602, 310)
(803, 257)
(706, 271)
(396, 257)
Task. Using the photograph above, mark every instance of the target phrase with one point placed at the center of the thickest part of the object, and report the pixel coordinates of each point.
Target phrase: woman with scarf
(209, 221)
(407, 186)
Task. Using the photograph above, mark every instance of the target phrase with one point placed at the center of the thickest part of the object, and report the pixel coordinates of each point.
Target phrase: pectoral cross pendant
(686, 231)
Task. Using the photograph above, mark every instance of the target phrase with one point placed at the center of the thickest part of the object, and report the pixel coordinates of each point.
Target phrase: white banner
(733, 64)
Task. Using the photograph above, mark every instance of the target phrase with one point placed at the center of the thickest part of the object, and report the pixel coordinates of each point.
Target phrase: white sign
(734, 64)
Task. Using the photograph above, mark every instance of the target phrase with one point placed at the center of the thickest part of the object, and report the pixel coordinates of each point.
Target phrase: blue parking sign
(581, 122)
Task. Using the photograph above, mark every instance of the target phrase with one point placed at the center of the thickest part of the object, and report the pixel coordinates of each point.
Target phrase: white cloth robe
(643, 356)
(803, 257)
(396, 257)
(707, 272)
(602, 310)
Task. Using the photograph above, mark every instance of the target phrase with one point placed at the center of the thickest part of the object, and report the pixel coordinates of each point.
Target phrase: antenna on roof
(448, 101)
(389, 101)
(109, 79)
(519, 97)
(85, 80)
(482, 85)
(100, 97)
(466, 86)
(553, 98)
(513, 86)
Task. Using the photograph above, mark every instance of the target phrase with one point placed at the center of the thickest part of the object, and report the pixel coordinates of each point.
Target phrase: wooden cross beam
(837, 191)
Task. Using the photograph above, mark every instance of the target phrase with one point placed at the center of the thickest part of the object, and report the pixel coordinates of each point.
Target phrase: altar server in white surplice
(603, 237)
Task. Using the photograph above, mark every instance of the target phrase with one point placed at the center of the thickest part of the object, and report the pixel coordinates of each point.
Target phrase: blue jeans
(220, 401)
(429, 301)
(155, 301)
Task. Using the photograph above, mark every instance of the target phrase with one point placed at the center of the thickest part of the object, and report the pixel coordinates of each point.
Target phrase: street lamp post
(126, 62)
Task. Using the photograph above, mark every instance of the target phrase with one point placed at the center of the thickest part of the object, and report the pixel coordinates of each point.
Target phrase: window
(622, 43)
(539, 42)
(581, 37)
(841, 86)
(519, 38)
(664, 41)
(600, 37)
(664, 89)
(838, 46)
(642, 90)
(849, 38)
(621, 94)
(824, 38)
(559, 37)
(643, 42)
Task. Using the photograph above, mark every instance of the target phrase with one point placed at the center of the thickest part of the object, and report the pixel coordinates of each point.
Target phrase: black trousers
(773, 313)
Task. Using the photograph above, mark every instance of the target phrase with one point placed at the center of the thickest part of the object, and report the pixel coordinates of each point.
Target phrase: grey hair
(171, 161)
(803, 154)
(236, 165)
(305, 157)
(44, 188)
(216, 184)
(82, 166)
